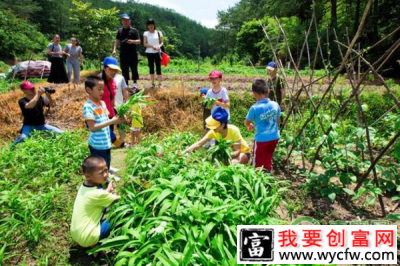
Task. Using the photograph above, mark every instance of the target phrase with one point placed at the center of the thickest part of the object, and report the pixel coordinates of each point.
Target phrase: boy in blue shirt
(266, 117)
(96, 117)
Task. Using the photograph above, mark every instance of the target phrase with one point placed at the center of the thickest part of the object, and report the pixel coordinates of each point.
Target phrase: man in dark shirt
(32, 110)
(128, 37)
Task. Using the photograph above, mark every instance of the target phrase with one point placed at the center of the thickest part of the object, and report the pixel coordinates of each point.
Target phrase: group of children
(264, 116)
(88, 224)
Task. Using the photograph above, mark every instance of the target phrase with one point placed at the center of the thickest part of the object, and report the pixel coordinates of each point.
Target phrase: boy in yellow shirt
(219, 128)
(88, 225)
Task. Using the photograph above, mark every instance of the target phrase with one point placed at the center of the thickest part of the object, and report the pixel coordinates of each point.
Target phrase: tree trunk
(376, 19)
(333, 14)
(357, 16)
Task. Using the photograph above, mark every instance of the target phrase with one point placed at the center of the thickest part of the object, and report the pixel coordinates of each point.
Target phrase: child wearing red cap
(218, 92)
(32, 109)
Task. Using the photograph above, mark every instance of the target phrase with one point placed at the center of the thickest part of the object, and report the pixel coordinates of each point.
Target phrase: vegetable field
(186, 215)
(182, 210)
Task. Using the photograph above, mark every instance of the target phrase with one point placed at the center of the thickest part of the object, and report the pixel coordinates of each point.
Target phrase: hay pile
(174, 108)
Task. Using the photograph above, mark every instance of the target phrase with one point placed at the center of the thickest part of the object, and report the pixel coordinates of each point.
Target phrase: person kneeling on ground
(219, 128)
(88, 225)
(32, 110)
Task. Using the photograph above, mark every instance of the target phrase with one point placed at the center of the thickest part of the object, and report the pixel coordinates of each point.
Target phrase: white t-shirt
(121, 85)
(153, 40)
(221, 96)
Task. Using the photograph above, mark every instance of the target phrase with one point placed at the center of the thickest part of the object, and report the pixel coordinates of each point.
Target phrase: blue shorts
(105, 229)
(106, 154)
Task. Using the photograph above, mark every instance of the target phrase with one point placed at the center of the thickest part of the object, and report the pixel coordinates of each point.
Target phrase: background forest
(27, 26)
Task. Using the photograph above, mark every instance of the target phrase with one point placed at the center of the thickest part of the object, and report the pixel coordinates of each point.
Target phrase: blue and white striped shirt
(99, 139)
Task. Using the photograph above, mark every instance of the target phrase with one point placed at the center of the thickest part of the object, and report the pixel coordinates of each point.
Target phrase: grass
(188, 205)
(38, 185)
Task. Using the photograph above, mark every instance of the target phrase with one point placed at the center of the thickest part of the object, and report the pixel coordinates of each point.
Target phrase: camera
(49, 90)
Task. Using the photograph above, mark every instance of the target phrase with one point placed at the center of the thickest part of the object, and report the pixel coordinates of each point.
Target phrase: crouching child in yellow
(88, 225)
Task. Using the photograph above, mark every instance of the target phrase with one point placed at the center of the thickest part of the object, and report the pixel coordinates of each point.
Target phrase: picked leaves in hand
(137, 98)
(209, 102)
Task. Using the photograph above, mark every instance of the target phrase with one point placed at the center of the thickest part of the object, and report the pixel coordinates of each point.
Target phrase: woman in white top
(153, 40)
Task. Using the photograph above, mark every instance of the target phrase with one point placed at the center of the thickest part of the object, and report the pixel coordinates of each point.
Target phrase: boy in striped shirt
(96, 117)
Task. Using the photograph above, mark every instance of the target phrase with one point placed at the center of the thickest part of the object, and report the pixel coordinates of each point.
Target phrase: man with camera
(32, 109)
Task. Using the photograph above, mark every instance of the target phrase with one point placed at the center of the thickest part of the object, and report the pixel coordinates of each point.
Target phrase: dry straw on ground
(174, 108)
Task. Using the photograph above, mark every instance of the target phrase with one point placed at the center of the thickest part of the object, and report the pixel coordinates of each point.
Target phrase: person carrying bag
(153, 41)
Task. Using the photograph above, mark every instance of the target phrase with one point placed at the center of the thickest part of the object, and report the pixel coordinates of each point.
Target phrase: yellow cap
(211, 123)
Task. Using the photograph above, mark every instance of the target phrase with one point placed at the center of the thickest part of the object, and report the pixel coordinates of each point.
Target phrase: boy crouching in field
(88, 225)
(96, 117)
(266, 116)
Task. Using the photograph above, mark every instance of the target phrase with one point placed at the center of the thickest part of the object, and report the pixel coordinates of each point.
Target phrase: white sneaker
(135, 86)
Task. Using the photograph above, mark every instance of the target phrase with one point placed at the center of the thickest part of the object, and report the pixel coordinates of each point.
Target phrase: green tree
(24, 8)
(18, 37)
(95, 28)
(252, 41)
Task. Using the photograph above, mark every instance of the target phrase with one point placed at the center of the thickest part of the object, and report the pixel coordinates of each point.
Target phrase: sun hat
(218, 117)
(26, 85)
(272, 66)
(215, 74)
(111, 62)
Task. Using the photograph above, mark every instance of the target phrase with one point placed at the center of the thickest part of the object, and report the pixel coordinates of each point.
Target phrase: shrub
(18, 37)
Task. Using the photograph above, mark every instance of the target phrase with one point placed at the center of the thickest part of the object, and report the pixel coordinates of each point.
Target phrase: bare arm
(197, 145)
(125, 94)
(81, 56)
(247, 122)
(224, 105)
(249, 125)
(116, 44)
(113, 121)
(236, 151)
(32, 103)
(137, 42)
(145, 43)
(50, 101)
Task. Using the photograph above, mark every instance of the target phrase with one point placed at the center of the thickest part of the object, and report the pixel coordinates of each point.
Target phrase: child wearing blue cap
(219, 128)
(276, 85)
(266, 116)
